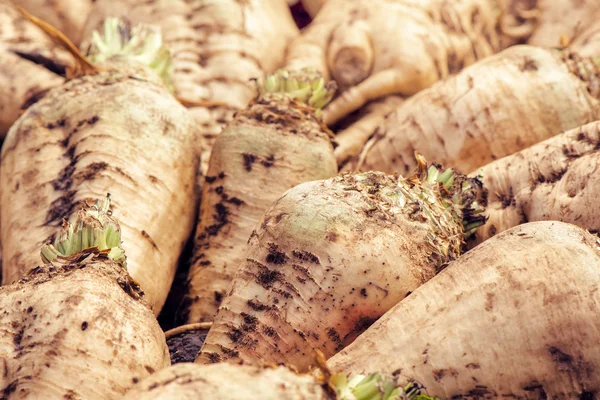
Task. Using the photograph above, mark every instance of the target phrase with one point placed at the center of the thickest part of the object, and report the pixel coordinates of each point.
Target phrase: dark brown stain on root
(212, 179)
(265, 276)
(229, 352)
(9, 389)
(61, 207)
(529, 64)
(555, 176)
(270, 332)
(214, 358)
(32, 97)
(536, 386)
(507, 199)
(306, 256)
(305, 272)
(90, 171)
(18, 338)
(268, 161)
(149, 239)
(249, 160)
(257, 306)
(275, 255)
(582, 137)
(561, 359)
(334, 336)
(362, 324)
(250, 322)
(64, 206)
(478, 392)
(35, 57)
(219, 297)
(220, 217)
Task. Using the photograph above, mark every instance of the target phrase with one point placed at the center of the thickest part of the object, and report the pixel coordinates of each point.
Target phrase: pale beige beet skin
(357, 128)
(355, 42)
(217, 47)
(553, 180)
(30, 63)
(68, 16)
(559, 20)
(77, 331)
(328, 258)
(270, 147)
(494, 108)
(114, 132)
(226, 381)
(587, 43)
(514, 317)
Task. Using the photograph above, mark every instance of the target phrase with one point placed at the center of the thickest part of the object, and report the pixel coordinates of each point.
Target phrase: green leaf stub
(306, 86)
(141, 43)
(374, 387)
(93, 227)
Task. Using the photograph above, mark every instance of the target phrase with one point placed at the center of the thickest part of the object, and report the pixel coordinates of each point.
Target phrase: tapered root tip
(350, 67)
(350, 54)
(94, 228)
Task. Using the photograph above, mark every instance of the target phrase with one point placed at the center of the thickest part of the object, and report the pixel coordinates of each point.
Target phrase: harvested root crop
(275, 144)
(77, 326)
(512, 318)
(331, 256)
(218, 49)
(233, 382)
(553, 180)
(494, 108)
(356, 42)
(117, 129)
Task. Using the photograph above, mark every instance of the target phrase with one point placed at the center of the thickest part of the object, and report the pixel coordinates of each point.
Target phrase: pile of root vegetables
(314, 199)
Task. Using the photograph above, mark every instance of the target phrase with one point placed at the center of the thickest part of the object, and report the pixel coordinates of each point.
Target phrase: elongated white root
(494, 108)
(375, 48)
(553, 180)
(77, 327)
(115, 129)
(329, 257)
(233, 382)
(219, 48)
(512, 318)
(273, 145)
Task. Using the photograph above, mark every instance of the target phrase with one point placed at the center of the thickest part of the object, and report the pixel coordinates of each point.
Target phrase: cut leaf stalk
(93, 227)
